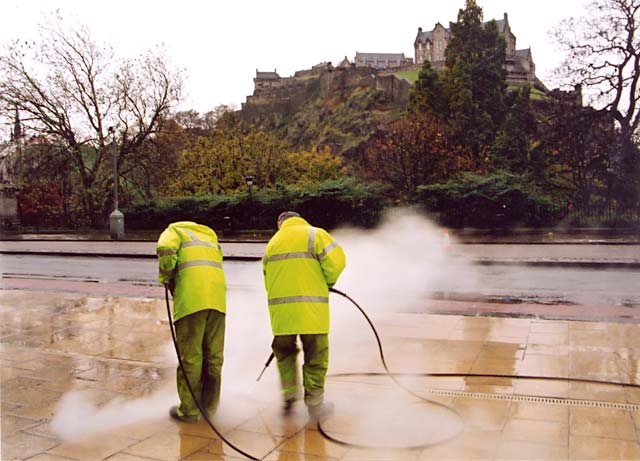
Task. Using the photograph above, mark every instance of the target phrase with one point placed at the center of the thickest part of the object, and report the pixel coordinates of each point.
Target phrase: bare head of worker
(286, 215)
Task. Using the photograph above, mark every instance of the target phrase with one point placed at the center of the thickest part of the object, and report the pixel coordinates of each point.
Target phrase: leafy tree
(476, 81)
(602, 54)
(427, 94)
(415, 150)
(515, 146)
(580, 143)
(70, 90)
(220, 163)
(307, 168)
(469, 94)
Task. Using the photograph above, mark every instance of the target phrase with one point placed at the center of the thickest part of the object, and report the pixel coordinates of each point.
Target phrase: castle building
(376, 70)
(266, 80)
(431, 45)
(381, 60)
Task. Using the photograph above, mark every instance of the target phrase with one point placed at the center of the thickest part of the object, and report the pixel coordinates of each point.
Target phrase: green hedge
(494, 200)
(327, 205)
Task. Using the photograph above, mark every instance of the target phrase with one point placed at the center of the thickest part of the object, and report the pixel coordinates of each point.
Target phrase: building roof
(424, 35)
(345, 62)
(267, 75)
(499, 22)
(382, 56)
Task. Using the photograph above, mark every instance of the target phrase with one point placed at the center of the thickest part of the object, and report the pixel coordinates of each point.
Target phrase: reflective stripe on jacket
(300, 264)
(189, 254)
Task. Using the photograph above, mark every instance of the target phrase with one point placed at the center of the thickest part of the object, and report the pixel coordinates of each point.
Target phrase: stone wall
(8, 207)
(341, 79)
(284, 99)
(396, 88)
(294, 92)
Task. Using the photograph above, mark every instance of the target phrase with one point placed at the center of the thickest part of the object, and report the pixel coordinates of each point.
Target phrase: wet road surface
(514, 290)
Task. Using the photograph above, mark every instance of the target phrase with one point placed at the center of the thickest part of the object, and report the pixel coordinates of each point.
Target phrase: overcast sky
(220, 44)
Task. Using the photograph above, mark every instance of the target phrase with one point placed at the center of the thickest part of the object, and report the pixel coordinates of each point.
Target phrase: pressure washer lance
(266, 365)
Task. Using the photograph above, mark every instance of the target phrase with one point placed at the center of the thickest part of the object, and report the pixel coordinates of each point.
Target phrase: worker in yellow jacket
(190, 265)
(301, 262)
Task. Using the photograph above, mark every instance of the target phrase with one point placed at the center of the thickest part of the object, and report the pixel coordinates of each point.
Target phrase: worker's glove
(171, 285)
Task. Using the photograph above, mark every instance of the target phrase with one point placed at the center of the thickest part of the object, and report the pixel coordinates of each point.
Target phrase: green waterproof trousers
(314, 370)
(200, 339)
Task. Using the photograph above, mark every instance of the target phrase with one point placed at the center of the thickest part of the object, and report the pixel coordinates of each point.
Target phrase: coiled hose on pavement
(387, 372)
(395, 380)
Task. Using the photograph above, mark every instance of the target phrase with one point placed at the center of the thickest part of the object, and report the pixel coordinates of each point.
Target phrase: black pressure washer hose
(387, 373)
(395, 380)
(441, 375)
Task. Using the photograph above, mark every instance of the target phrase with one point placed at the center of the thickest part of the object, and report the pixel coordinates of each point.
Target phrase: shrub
(493, 200)
(326, 204)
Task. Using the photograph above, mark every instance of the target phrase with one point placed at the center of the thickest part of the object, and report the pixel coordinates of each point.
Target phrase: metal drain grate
(535, 399)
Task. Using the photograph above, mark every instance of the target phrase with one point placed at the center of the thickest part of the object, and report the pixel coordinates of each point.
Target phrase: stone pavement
(92, 377)
(89, 376)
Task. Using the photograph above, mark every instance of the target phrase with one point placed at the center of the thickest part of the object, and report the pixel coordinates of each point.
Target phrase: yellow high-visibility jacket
(190, 256)
(300, 264)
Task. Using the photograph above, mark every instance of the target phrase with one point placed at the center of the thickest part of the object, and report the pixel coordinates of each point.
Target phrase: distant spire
(16, 134)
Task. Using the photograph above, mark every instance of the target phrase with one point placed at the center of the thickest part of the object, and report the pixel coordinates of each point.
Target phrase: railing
(541, 216)
(608, 214)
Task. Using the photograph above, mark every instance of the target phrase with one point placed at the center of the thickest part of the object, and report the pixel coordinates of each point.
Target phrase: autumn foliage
(41, 204)
(220, 162)
(415, 150)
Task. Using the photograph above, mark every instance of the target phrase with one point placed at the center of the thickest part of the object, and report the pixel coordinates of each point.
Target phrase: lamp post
(249, 179)
(116, 218)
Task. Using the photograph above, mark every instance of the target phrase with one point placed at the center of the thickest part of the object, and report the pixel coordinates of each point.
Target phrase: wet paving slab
(88, 376)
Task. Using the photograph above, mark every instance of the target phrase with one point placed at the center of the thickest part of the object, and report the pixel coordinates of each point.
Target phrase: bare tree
(211, 118)
(193, 121)
(602, 54)
(71, 90)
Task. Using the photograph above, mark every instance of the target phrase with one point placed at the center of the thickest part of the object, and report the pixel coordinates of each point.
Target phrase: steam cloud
(389, 269)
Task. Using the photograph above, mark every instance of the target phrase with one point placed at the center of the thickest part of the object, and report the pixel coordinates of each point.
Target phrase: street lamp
(116, 218)
(249, 179)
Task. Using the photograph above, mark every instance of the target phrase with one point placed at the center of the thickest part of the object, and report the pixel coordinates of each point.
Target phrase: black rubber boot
(320, 411)
(288, 407)
(173, 412)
